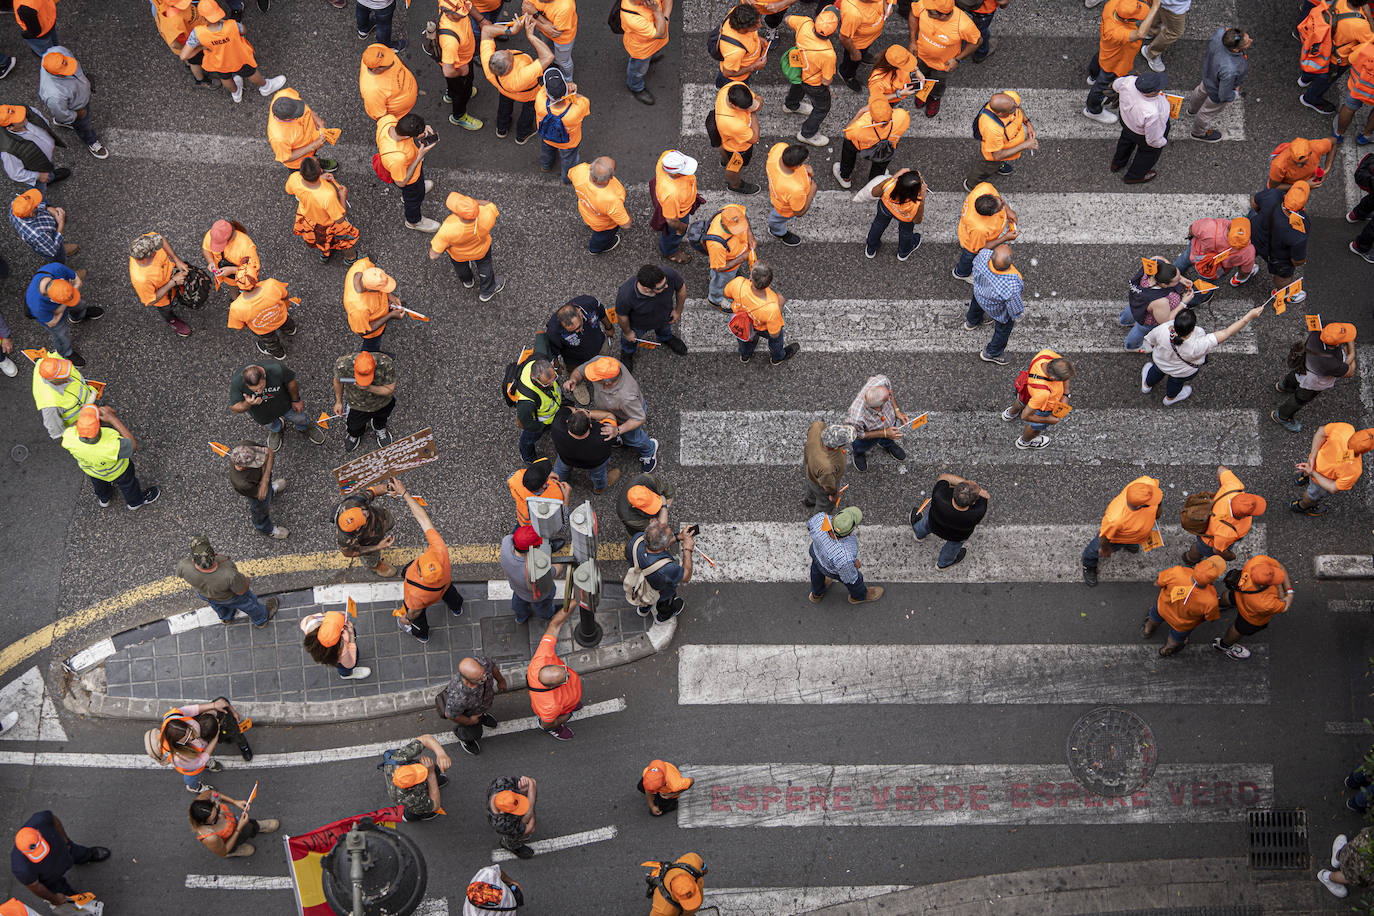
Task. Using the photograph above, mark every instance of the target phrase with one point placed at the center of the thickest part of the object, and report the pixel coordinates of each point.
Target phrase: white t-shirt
(1188, 358)
(491, 875)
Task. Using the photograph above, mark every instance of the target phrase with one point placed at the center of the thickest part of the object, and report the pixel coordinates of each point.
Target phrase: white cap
(679, 163)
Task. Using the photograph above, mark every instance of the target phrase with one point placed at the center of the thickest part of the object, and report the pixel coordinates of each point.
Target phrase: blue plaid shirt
(998, 294)
(835, 556)
(39, 232)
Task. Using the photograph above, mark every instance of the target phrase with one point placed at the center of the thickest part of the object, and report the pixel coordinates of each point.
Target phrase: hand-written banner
(403, 454)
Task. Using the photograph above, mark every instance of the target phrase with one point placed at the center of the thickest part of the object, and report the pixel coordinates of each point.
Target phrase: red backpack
(380, 169)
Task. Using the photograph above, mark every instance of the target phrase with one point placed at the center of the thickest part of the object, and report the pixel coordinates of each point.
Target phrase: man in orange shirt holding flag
(942, 35)
(263, 310)
(466, 237)
(1125, 24)
(815, 58)
(1216, 245)
(555, 689)
(1333, 465)
(428, 578)
(294, 131)
(1128, 522)
(1186, 598)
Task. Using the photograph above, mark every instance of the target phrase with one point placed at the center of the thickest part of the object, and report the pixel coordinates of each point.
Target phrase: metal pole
(356, 845)
(587, 587)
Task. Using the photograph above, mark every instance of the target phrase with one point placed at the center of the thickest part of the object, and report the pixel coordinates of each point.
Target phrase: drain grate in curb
(1277, 838)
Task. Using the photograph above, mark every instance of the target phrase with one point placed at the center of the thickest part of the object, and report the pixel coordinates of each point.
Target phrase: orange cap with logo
(211, 10)
(31, 843)
(828, 20)
(1337, 333)
(88, 422)
(686, 890)
(26, 203)
(59, 64)
(1300, 149)
(412, 774)
(378, 55)
(511, 802)
(11, 115)
(429, 571)
(352, 519)
(1238, 233)
(364, 368)
(63, 292)
(55, 369)
(1209, 570)
(1296, 198)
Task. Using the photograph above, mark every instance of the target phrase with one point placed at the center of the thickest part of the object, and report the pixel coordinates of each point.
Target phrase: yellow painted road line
(28, 646)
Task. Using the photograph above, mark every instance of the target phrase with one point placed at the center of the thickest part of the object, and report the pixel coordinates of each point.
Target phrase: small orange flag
(1314, 322)
(1178, 593)
(35, 353)
(98, 386)
(1175, 105)
(920, 421)
(399, 612)
(323, 421)
(1154, 540)
(352, 607)
(1203, 286)
(332, 133)
(1149, 265)
(219, 448)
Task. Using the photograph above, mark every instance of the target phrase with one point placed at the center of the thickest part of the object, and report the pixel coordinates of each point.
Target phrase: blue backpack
(551, 126)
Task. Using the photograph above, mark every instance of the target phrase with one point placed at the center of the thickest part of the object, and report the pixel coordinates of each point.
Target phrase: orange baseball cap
(1244, 505)
(512, 802)
(1238, 233)
(1139, 494)
(11, 115)
(88, 422)
(352, 518)
(602, 369)
(1362, 441)
(374, 278)
(1296, 198)
(55, 369)
(430, 571)
(644, 499)
(211, 11)
(59, 64)
(461, 206)
(412, 774)
(378, 55)
(1300, 149)
(663, 775)
(364, 368)
(1265, 571)
(1131, 12)
(686, 890)
(24, 205)
(828, 19)
(31, 843)
(331, 628)
(1209, 570)
(879, 110)
(220, 231)
(1337, 333)
(63, 293)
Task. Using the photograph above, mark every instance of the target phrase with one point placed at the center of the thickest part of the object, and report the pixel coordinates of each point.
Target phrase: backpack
(1022, 384)
(1315, 33)
(380, 169)
(392, 759)
(697, 237)
(656, 881)
(1197, 510)
(638, 591)
(791, 69)
(978, 131)
(195, 289)
(613, 20)
(713, 40)
(512, 377)
(551, 126)
(741, 324)
(1364, 174)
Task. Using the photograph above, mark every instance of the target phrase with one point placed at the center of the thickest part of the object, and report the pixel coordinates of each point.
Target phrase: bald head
(472, 671)
(1002, 103)
(603, 169)
(1001, 257)
(552, 675)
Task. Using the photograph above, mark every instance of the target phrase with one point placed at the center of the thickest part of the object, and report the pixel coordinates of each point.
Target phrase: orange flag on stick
(352, 607)
(1149, 265)
(1314, 322)
(1175, 105)
(1203, 286)
(35, 354)
(1286, 295)
(219, 448)
(414, 314)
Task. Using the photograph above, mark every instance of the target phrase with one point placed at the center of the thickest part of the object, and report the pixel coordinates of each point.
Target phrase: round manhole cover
(19, 453)
(1112, 751)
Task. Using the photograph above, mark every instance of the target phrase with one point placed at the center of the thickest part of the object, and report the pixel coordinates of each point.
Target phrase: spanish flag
(307, 850)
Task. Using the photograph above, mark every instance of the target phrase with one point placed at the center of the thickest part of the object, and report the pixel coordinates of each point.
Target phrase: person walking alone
(1327, 356)
(1223, 70)
(834, 554)
(215, 578)
(956, 506)
(1144, 125)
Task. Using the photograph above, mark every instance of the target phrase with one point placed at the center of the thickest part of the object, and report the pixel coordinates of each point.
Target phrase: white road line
(1071, 218)
(237, 883)
(965, 675)
(770, 901)
(38, 719)
(432, 906)
(192, 620)
(558, 843)
(278, 761)
(1343, 566)
(1056, 113)
(773, 551)
(1343, 606)
(948, 795)
(1348, 728)
(930, 326)
(1147, 437)
(361, 592)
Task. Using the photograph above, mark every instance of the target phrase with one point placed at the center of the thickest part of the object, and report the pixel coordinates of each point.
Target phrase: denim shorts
(1040, 427)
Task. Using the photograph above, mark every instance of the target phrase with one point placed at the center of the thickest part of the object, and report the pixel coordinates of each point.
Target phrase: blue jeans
(638, 439)
(775, 344)
(949, 553)
(505, 109)
(715, 287)
(907, 237)
(529, 438)
(778, 224)
(1202, 548)
(61, 333)
(367, 18)
(260, 512)
(1316, 90)
(1175, 636)
(857, 589)
(1092, 552)
(1136, 336)
(1172, 387)
(669, 241)
(1102, 81)
(664, 334)
(42, 43)
(964, 269)
(412, 195)
(82, 126)
(523, 610)
(133, 493)
(603, 240)
(1001, 330)
(984, 22)
(635, 72)
(248, 602)
(568, 157)
(1184, 261)
(598, 474)
(296, 418)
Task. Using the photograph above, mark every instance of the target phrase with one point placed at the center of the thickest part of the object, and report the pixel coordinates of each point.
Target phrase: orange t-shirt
(735, 125)
(363, 306)
(320, 205)
(391, 92)
(459, 50)
(639, 28)
(285, 136)
(735, 242)
(999, 134)
(147, 280)
(1258, 603)
(906, 211)
(763, 308)
(1348, 33)
(521, 81)
(463, 240)
(676, 194)
(1331, 457)
(1123, 525)
(975, 229)
(397, 155)
(861, 21)
(786, 189)
(1284, 170)
(562, 15)
(1116, 50)
(1223, 528)
(573, 109)
(1044, 391)
(602, 208)
(226, 50)
(1199, 602)
(242, 253)
(175, 25)
(261, 311)
(516, 483)
(737, 56)
(817, 53)
(863, 133)
(938, 43)
(417, 594)
(550, 703)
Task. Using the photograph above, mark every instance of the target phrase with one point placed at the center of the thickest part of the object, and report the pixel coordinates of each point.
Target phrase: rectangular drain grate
(1277, 838)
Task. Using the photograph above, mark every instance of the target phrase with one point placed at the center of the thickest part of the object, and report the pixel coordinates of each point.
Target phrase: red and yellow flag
(307, 850)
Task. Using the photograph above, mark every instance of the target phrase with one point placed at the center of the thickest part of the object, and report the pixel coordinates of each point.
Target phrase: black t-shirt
(246, 481)
(277, 400)
(1140, 297)
(1323, 360)
(648, 313)
(54, 865)
(577, 347)
(586, 453)
(948, 522)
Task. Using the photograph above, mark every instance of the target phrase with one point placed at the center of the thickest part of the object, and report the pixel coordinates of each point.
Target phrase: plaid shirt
(835, 556)
(867, 418)
(39, 232)
(998, 294)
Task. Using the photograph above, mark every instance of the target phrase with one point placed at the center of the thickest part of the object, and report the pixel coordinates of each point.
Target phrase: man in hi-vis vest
(105, 454)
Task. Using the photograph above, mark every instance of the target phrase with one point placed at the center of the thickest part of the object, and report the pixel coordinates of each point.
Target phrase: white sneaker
(1144, 371)
(1182, 396)
(1011, 413)
(358, 674)
(271, 86)
(9, 720)
(1336, 846)
(1235, 650)
(278, 485)
(424, 225)
(237, 94)
(278, 533)
(7, 366)
(804, 109)
(1300, 297)
(429, 186)
(1337, 890)
(819, 140)
(1039, 441)
(844, 182)
(1155, 63)
(1102, 117)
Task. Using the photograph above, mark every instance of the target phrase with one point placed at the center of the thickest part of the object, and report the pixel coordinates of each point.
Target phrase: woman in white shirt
(1178, 349)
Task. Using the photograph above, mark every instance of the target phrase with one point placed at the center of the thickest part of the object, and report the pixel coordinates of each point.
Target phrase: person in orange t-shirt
(466, 237)
(264, 311)
(791, 189)
(1006, 133)
(1125, 23)
(539, 479)
(755, 298)
(557, 20)
(428, 578)
(370, 301)
(733, 128)
(730, 247)
(674, 188)
(456, 45)
(875, 130)
(861, 22)
(228, 57)
(1302, 160)
(294, 131)
(1128, 522)
(942, 36)
(645, 24)
(175, 20)
(1262, 590)
(903, 198)
(985, 222)
(386, 84)
(560, 98)
(157, 274)
(1333, 465)
(1186, 598)
(321, 205)
(515, 75)
(1233, 512)
(982, 20)
(402, 144)
(230, 254)
(895, 75)
(815, 56)
(1046, 388)
(662, 783)
(555, 689)
(601, 202)
(743, 51)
